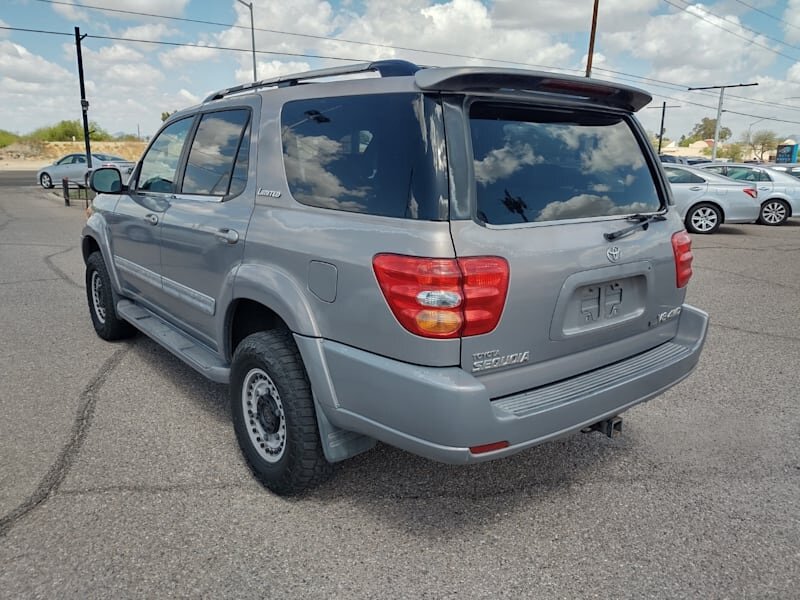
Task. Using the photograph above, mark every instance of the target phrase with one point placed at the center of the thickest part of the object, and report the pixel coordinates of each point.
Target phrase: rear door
(687, 188)
(545, 186)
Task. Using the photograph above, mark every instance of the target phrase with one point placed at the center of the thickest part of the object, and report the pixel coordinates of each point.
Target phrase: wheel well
(89, 246)
(247, 317)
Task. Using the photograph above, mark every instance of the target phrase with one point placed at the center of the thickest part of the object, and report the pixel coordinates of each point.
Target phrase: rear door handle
(695, 188)
(151, 218)
(764, 189)
(229, 236)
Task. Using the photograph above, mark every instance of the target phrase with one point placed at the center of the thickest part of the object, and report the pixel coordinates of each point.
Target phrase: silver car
(779, 193)
(706, 200)
(74, 167)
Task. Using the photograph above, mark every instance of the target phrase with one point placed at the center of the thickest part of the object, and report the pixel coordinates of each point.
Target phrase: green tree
(166, 115)
(65, 131)
(7, 138)
(704, 130)
(733, 151)
(760, 142)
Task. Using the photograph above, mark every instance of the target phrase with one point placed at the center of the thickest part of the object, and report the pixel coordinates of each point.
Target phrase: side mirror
(106, 180)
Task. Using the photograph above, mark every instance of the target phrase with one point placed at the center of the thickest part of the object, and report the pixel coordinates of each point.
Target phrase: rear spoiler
(466, 79)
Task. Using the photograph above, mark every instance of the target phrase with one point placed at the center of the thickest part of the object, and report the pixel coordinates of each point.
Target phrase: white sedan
(74, 167)
(706, 200)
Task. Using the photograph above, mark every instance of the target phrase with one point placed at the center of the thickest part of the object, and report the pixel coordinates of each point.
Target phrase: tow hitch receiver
(611, 427)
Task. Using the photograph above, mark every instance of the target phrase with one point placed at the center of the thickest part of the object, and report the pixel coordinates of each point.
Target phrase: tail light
(682, 249)
(444, 297)
(751, 192)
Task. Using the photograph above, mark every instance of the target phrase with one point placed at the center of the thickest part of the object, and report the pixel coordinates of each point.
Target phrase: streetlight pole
(252, 36)
(721, 89)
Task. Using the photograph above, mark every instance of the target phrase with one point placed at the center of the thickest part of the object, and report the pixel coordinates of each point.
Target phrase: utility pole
(664, 108)
(721, 89)
(591, 39)
(84, 101)
(252, 36)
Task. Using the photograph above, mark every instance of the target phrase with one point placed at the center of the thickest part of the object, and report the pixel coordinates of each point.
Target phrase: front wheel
(274, 416)
(101, 301)
(773, 212)
(46, 181)
(703, 218)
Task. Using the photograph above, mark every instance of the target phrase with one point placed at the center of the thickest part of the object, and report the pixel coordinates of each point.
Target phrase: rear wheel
(773, 212)
(274, 416)
(703, 218)
(46, 181)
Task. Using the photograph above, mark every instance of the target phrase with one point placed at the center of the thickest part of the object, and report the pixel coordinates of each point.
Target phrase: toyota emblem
(613, 253)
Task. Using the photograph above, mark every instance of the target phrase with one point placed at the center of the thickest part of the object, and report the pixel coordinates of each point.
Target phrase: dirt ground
(33, 157)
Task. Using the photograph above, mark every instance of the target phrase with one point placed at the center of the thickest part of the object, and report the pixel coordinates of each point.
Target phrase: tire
(273, 414)
(101, 299)
(46, 181)
(703, 218)
(773, 212)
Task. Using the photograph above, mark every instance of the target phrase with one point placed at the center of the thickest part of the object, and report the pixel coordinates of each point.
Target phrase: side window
(681, 176)
(742, 174)
(763, 176)
(80, 159)
(213, 153)
(379, 154)
(717, 170)
(239, 179)
(161, 161)
(67, 160)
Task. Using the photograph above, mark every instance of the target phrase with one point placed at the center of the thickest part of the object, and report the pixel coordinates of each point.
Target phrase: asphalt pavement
(15, 179)
(120, 475)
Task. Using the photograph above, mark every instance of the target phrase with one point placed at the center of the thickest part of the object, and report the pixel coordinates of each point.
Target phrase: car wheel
(274, 416)
(703, 218)
(46, 181)
(773, 212)
(100, 296)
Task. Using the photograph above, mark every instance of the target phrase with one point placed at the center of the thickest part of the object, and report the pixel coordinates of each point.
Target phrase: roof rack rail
(386, 68)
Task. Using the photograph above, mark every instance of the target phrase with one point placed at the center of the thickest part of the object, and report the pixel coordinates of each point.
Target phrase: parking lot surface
(120, 475)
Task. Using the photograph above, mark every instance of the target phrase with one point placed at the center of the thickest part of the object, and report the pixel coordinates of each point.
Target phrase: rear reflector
(682, 249)
(751, 192)
(488, 447)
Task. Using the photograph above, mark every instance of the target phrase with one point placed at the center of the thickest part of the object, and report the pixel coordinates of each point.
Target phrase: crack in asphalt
(48, 260)
(59, 469)
(152, 489)
(779, 336)
(749, 277)
(18, 281)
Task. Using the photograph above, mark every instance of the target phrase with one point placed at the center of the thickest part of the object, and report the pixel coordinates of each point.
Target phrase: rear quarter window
(534, 165)
(381, 154)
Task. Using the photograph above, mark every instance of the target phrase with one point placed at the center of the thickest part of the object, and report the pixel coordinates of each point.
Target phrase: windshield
(534, 165)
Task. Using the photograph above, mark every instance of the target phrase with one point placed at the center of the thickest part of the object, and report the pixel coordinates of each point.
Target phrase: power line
(718, 26)
(745, 27)
(766, 14)
(307, 35)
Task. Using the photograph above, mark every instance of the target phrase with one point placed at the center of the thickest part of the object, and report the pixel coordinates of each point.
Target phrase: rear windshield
(534, 165)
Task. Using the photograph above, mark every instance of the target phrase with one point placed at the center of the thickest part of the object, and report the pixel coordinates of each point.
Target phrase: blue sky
(662, 46)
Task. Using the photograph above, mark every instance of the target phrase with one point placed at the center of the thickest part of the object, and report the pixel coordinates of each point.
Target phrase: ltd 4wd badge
(483, 361)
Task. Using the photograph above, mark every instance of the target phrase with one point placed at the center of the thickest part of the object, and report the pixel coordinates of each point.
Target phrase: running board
(190, 351)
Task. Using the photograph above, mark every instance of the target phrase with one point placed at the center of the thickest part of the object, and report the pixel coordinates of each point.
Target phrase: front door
(137, 220)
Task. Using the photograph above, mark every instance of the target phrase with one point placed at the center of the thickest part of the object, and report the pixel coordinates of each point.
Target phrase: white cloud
(269, 69)
(189, 96)
(177, 57)
(791, 21)
(149, 31)
(17, 63)
(3, 32)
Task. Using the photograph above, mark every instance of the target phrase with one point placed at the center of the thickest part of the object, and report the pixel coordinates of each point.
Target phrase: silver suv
(460, 262)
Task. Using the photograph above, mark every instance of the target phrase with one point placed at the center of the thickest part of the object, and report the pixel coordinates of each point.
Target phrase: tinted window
(213, 152)
(161, 161)
(239, 179)
(535, 165)
(382, 154)
(742, 173)
(681, 176)
(718, 170)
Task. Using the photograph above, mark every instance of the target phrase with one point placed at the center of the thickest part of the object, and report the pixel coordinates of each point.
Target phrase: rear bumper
(440, 413)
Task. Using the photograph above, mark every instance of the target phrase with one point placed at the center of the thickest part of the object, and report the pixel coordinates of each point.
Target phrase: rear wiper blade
(642, 221)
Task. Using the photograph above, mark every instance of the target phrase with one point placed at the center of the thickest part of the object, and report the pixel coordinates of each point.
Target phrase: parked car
(707, 200)
(778, 192)
(792, 169)
(74, 167)
(671, 159)
(463, 292)
(696, 160)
